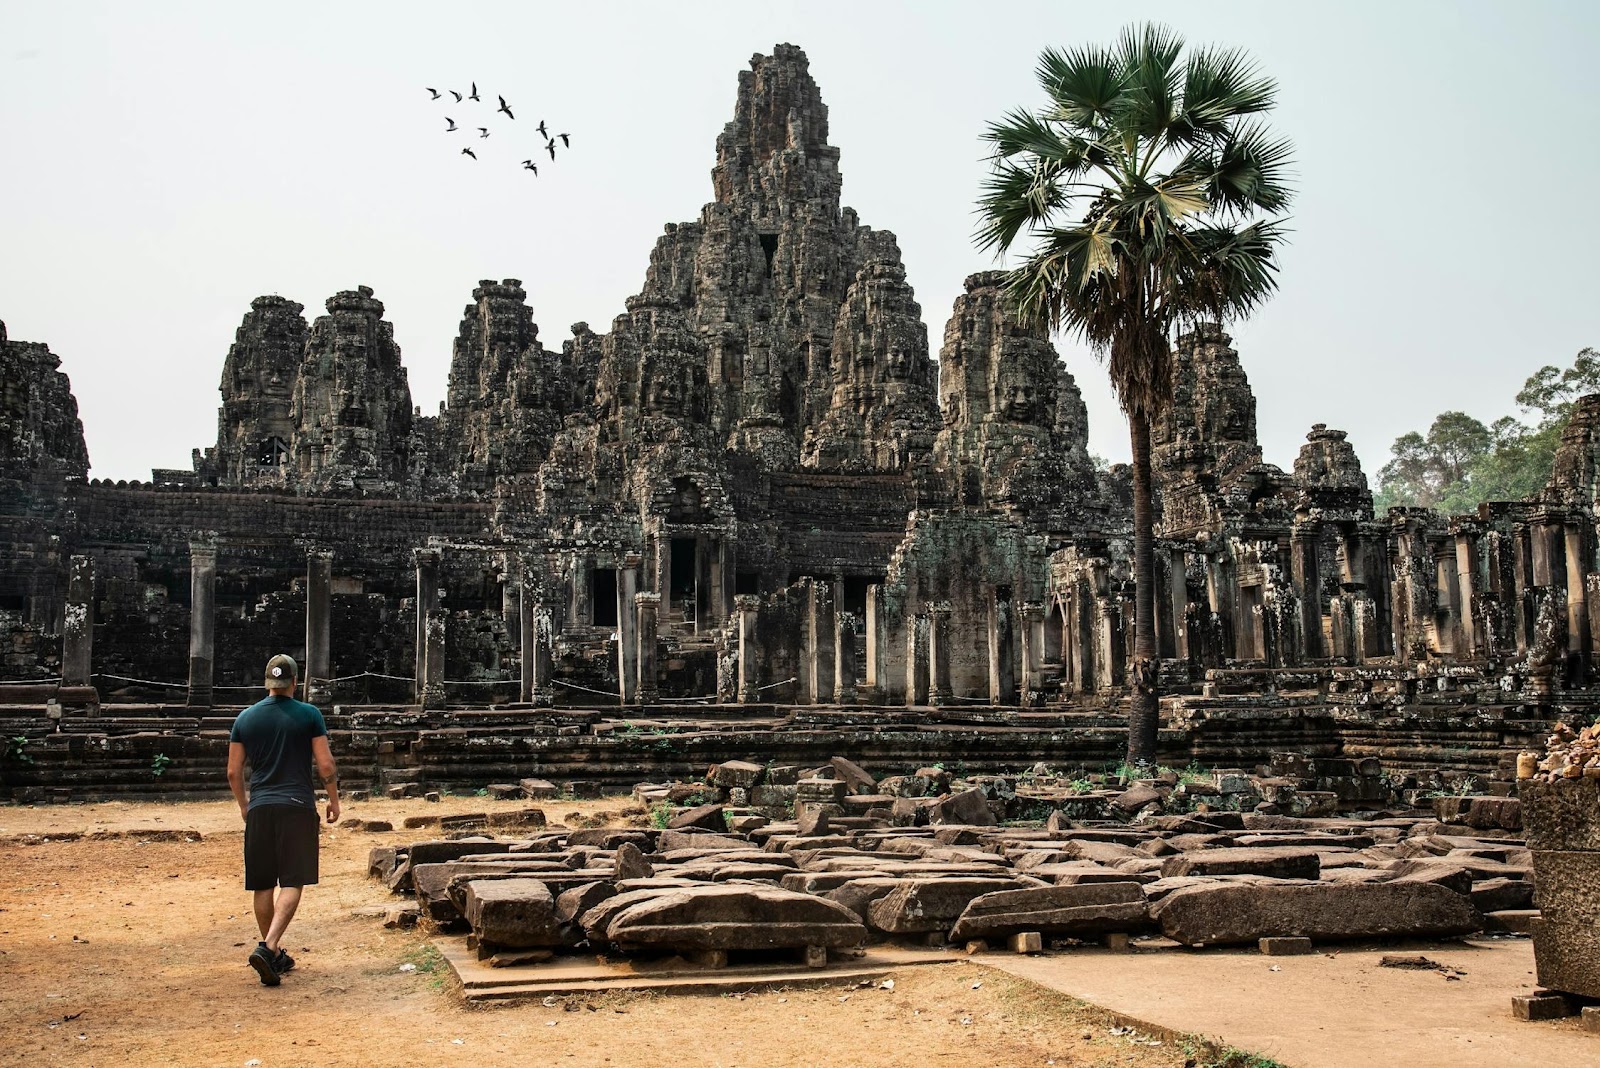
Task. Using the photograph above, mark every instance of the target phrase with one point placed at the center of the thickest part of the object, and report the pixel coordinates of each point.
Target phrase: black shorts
(280, 847)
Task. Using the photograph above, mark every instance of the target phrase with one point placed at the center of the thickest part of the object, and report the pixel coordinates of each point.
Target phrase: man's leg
(264, 908)
(283, 911)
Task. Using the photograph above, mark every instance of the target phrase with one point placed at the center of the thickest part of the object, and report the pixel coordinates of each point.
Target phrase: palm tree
(1153, 196)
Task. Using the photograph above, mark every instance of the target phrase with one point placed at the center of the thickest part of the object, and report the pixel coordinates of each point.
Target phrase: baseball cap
(281, 672)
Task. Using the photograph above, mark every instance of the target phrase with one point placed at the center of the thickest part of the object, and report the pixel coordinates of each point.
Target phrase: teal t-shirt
(276, 733)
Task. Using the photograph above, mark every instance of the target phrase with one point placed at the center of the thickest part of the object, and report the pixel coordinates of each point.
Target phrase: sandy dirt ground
(119, 949)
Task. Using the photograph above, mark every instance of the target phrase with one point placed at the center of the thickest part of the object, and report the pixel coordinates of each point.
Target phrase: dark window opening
(683, 574)
(272, 452)
(855, 594)
(603, 597)
(769, 245)
(1002, 593)
(747, 582)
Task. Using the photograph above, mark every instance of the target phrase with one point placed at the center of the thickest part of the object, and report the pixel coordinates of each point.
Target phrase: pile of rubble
(872, 860)
(1571, 754)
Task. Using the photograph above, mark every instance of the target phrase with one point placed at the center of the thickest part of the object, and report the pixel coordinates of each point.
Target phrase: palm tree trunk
(1143, 719)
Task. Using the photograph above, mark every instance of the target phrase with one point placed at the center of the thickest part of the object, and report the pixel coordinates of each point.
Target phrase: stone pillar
(511, 600)
(917, 655)
(1521, 580)
(1178, 601)
(582, 601)
(647, 606)
(202, 621)
(844, 658)
(1466, 600)
(1032, 633)
(1308, 583)
(875, 689)
(1547, 547)
(938, 652)
(627, 629)
(319, 583)
(1107, 654)
(717, 560)
(432, 679)
(745, 607)
(819, 653)
(430, 682)
(1450, 638)
(77, 623)
(1002, 652)
(528, 628)
(1577, 607)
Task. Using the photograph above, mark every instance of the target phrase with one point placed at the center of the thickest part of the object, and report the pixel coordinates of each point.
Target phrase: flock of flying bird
(505, 109)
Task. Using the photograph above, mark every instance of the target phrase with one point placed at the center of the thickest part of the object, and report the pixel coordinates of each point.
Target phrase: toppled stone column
(1002, 670)
(319, 582)
(429, 681)
(745, 607)
(917, 660)
(629, 642)
(77, 623)
(202, 621)
(819, 642)
(647, 605)
(844, 660)
(938, 652)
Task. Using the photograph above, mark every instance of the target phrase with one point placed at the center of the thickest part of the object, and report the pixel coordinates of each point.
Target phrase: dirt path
(143, 944)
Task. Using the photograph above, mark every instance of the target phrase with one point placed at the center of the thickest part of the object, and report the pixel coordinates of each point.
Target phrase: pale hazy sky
(165, 163)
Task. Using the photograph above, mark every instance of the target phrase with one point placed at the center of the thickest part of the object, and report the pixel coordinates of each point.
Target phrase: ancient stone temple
(758, 491)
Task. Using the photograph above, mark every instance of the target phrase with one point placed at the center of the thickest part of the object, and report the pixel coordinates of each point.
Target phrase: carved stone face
(897, 363)
(665, 394)
(1018, 399)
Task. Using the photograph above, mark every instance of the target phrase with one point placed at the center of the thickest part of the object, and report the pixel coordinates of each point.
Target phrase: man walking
(280, 738)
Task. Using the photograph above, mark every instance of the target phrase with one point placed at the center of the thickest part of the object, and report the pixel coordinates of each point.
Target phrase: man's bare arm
(236, 776)
(328, 772)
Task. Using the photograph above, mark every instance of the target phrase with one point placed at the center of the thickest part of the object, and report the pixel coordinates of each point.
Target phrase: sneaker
(263, 961)
(282, 962)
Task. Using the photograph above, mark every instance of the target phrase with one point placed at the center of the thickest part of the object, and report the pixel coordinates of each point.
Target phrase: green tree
(1152, 196)
(1461, 462)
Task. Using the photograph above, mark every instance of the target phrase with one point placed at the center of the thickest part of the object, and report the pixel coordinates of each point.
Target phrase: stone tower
(255, 425)
(40, 433)
(352, 405)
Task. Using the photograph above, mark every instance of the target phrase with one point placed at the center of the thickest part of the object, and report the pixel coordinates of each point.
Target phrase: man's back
(276, 733)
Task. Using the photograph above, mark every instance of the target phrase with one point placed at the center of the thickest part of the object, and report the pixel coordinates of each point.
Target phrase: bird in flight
(469, 152)
(551, 148)
(529, 165)
(483, 131)
(435, 92)
(452, 127)
(564, 142)
(505, 107)
(474, 94)
(542, 131)
(456, 95)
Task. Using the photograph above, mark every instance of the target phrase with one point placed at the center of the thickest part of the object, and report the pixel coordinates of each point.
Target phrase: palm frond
(1015, 199)
(1083, 84)
(1226, 272)
(1251, 171)
(1149, 58)
(1220, 85)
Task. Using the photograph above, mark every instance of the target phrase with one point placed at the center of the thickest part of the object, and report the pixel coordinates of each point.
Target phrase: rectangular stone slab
(1088, 908)
(925, 906)
(1240, 914)
(1273, 863)
(515, 913)
(733, 918)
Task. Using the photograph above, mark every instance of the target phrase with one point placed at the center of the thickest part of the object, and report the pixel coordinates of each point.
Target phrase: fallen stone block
(733, 918)
(630, 863)
(1238, 914)
(1090, 908)
(539, 789)
(854, 776)
(574, 901)
(1500, 895)
(736, 773)
(513, 913)
(441, 851)
(1542, 1006)
(857, 895)
(926, 906)
(968, 808)
(1285, 946)
(707, 817)
(1272, 863)
(1510, 921)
